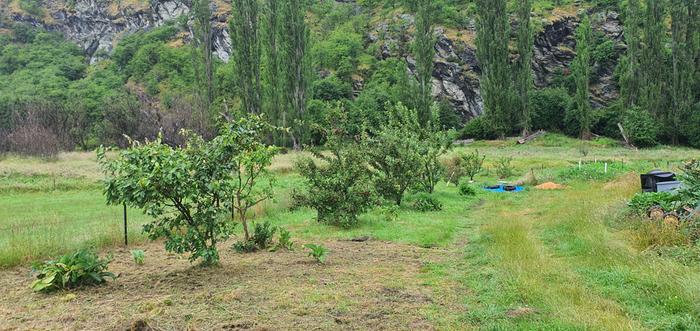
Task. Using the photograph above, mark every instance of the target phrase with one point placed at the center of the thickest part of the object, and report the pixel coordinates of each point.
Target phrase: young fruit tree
(190, 191)
(394, 154)
(339, 187)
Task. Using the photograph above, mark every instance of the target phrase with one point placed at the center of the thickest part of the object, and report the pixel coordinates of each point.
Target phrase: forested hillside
(78, 74)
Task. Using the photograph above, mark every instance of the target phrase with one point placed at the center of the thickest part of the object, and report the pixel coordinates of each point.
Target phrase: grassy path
(547, 260)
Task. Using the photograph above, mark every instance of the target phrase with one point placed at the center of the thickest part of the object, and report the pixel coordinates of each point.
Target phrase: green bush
(425, 202)
(244, 246)
(263, 234)
(641, 129)
(466, 189)
(332, 88)
(81, 268)
(548, 108)
(478, 128)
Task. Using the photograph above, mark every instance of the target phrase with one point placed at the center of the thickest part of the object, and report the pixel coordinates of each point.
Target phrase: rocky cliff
(97, 25)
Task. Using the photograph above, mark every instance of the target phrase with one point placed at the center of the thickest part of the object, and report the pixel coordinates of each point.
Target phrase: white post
(579, 164)
(606, 167)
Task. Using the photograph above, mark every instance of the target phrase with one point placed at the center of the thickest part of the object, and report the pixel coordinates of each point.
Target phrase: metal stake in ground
(126, 238)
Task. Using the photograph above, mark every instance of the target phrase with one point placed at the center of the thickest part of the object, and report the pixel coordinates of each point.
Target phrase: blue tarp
(501, 189)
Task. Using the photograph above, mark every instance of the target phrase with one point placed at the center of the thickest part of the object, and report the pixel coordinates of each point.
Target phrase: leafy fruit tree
(339, 187)
(433, 144)
(394, 153)
(582, 72)
(189, 191)
(472, 163)
(251, 182)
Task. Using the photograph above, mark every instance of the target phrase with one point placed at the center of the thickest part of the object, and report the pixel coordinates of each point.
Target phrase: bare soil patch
(364, 285)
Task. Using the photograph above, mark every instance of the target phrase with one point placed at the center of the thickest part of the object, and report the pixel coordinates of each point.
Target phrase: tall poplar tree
(683, 66)
(492, 52)
(271, 64)
(582, 72)
(245, 47)
(653, 60)
(295, 39)
(631, 76)
(202, 52)
(523, 66)
(424, 52)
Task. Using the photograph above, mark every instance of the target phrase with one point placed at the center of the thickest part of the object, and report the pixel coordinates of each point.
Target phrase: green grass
(38, 225)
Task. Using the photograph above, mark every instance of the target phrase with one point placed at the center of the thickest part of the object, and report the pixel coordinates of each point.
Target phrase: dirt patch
(515, 313)
(364, 285)
(549, 186)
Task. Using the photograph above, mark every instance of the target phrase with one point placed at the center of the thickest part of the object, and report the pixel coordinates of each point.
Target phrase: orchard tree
(394, 153)
(340, 187)
(191, 191)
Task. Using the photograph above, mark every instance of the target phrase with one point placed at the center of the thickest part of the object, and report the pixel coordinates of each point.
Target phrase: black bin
(650, 179)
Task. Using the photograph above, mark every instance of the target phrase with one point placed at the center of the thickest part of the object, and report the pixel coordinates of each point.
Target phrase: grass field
(537, 260)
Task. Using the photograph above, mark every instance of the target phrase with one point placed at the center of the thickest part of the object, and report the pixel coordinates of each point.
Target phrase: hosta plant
(81, 268)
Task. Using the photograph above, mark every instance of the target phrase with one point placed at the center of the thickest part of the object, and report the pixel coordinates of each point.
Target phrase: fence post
(126, 238)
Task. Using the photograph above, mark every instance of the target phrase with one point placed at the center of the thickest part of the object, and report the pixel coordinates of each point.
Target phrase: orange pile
(549, 186)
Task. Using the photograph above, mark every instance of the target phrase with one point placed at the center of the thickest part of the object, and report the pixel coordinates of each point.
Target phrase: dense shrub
(548, 108)
(466, 189)
(72, 270)
(478, 128)
(425, 202)
(332, 88)
(641, 129)
(263, 234)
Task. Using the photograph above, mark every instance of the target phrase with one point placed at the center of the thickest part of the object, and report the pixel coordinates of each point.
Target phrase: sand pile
(549, 186)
